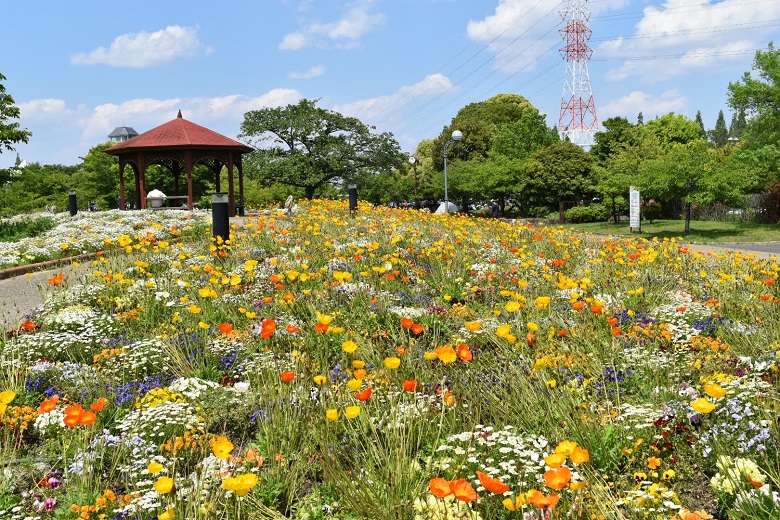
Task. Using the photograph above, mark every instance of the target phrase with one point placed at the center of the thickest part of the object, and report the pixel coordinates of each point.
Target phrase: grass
(702, 231)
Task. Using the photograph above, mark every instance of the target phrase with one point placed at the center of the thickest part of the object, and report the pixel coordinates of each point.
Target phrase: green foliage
(618, 134)
(480, 123)
(720, 134)
(671, 129)
(651, 210)
(519, 139)
(35, 187)
(700, 122)
(10, 133)
(562, 171)
(16, 230)
(592, 213)
(757, 97)
(306, 147)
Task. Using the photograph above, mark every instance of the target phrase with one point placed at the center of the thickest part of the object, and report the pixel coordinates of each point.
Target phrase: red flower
(225, 328)
(407, 323)
(267, 328)
(410, 385)
(417, 329)
(493, 485)
(363, 395)
(463, 490)
(464, 353)
(287, 376)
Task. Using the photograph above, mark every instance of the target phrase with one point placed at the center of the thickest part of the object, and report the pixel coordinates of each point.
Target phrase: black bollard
(72, 203)
(240, 207)
(220, 215)
(352, 198)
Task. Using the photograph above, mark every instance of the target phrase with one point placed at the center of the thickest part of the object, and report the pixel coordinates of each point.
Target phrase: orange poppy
(49, 404)
(287, 376)
(555, 460)
(98, 405)
(363, 395)
(493, 485)
(612, 321)
(537, 498)
(595, 309)
(417, 329)
(616, 331)
(28, 325)
(440, 487)
(578, 305)
(87, 417)
(463, 490)
(580, 455)
(292, 329)
(410, 385)
(464, 353)
(267, 328)
(473, 326)
(407, 323)
(321, 328)
(225, 328)
(557, 478)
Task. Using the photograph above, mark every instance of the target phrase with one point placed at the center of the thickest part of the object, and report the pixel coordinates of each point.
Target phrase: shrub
(592, 213)
(651, 210)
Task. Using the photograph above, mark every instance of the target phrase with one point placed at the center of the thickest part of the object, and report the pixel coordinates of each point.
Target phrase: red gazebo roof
(179, 133)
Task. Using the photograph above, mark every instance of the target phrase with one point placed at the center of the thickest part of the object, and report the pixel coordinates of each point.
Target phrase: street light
(414, 160)
(457, 135)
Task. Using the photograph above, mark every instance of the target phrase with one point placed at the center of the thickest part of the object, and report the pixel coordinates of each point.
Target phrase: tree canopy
(10, 131)
(306, 146)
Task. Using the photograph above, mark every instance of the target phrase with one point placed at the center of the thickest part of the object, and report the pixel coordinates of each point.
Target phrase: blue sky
(79, 69)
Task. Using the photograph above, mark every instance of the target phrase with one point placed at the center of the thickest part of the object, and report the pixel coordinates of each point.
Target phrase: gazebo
(179, 145)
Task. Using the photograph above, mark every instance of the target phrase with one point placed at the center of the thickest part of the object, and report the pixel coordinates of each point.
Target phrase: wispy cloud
(314, 72)
(650, 105)
(357, 21)
(688, 38)
(144, 49)
(520, 33)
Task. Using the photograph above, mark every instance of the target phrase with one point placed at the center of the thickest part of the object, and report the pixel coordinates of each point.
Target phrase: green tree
(700, 122)
(10, 132)
(695, 173)
(720, 134)
(617, 133)
(35, 187)
(671, 129)
(519, 139)
(480, 123)
(737, 125)
(307, 147)
(561, 171)
(640, 119)
(759, 98)
(97, 179)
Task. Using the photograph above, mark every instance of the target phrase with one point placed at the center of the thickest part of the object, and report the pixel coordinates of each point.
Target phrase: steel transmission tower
(578, 121)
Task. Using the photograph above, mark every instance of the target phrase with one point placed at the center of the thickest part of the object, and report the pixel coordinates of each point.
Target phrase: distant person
(156, 197)
(494, 209)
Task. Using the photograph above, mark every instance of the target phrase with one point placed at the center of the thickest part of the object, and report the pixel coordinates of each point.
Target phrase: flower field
(394, 365)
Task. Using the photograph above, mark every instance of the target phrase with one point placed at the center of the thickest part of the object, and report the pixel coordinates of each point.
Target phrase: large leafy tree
(10, 132)
(695, 173)
(559, 172)
(306, 146)
(480, 123)
(37, 186)
(618, 132)
(519, 139)
(759, 97)
(671, 129)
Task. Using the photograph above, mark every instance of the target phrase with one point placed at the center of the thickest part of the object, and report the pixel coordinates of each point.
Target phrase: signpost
(634, 217)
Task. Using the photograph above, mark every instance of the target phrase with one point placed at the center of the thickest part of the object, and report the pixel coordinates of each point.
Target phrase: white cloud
(143, 49)
(50, 145)
(314, 72)
(371, 108)
(520, 33)
(650, 105)
(358, 20)
(692, 37)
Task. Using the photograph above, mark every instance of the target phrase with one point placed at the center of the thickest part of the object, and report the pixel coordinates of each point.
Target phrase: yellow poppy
(352, 411)
(332, 414)
(163, 485)
(392, 362)
(154, 467)
(702, 405)
(714, 390)
(349, 346)
(512, 306)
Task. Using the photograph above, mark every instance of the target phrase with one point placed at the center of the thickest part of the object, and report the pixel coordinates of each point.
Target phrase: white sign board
(633, 206)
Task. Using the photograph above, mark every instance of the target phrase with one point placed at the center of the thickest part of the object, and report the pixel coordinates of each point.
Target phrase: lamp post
(414, 160)
(457, 135)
